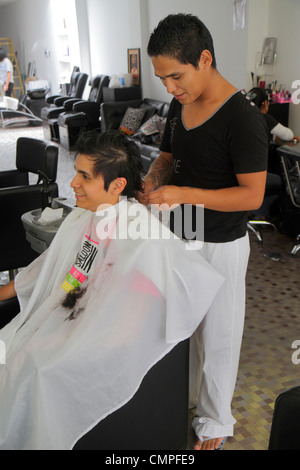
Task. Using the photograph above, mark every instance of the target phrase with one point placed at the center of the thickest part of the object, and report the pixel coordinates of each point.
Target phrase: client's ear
(117, 186)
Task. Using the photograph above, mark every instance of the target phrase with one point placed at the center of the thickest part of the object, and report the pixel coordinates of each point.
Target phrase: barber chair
(50, 114)
(81, 115)
(8, 310)
(18, 196)
(71, 87)
(290, 160)
(261, 216)
(156, 418)
(285, 428)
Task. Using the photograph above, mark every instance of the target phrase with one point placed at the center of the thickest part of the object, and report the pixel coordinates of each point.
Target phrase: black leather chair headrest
(35, 155)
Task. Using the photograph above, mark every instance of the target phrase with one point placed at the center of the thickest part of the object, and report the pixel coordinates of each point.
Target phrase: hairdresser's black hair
(183, 37)
(113, 156)
(258, 96)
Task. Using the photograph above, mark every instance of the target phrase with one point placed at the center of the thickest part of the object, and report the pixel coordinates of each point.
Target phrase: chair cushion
(132, 120)
(154, 127)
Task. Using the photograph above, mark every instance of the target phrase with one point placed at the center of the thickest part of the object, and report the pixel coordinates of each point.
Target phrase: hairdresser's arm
(248, 195)
(8, 291)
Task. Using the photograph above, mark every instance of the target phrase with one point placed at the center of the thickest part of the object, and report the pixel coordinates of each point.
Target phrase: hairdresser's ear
(205, 59)
(117, 186)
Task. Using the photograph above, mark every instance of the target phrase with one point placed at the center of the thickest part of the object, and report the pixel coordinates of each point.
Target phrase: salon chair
(71, 88)
(18, 195)
(290, 160)
(50, 114)
(261, 217)
(8, 310)
(156, 418)
(285, 428)
(81, 115)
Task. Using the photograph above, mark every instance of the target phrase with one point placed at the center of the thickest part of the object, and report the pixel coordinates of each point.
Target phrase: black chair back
(77, 85)
(285, 429)
(16, 251)
(32, 156)
(97, 83)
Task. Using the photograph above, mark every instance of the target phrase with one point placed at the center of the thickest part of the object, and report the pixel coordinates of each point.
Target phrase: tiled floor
(272, 318)
(272, 325)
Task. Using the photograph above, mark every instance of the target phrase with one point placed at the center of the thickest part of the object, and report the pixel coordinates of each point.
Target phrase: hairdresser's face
(89, 190)
(186, 83)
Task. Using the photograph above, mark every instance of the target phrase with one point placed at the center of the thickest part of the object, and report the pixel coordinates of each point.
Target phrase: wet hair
(258, 96)
(183, 37)
(2, 54)
(113, 156)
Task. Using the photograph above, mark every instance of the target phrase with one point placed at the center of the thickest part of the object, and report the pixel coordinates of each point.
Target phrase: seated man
(99, 308)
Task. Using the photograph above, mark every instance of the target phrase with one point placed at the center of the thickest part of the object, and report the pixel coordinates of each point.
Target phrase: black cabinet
(280, 111)
(122, 94)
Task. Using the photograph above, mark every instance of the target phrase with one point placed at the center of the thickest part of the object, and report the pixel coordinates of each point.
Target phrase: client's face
(89, 190)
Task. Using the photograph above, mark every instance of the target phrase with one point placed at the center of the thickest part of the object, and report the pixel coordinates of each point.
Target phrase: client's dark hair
(183, 37)
(258, 96)
(113, 156)
(2, 54)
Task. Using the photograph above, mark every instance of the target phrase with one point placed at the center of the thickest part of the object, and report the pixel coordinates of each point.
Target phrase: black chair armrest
(68, 118)
(12, 178)
(59, 101)
(50, 99)
(53, 113)
(86, 107)
(69, 104)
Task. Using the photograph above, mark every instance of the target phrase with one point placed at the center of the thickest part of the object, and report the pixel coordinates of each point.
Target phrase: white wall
(108, 28)
(258, 21)
(114, 27)
(284, 24)
(29, 24)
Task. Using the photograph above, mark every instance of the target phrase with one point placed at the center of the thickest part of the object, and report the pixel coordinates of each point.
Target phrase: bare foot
(208, 444)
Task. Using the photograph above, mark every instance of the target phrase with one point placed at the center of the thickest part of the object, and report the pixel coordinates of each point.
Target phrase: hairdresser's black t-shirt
(234, 140)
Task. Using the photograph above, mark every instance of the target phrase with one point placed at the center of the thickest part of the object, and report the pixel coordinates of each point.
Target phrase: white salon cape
(143, 296)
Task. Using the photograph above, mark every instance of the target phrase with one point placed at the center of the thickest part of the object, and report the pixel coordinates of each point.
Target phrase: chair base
(68, 136)
(51, 130)
(296, 248)
(263, 223)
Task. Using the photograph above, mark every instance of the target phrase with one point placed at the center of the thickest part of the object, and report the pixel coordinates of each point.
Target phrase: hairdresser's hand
(143, 196)
(166, 197)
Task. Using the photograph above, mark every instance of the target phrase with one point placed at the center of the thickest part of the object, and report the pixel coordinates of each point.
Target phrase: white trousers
(215, 345)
